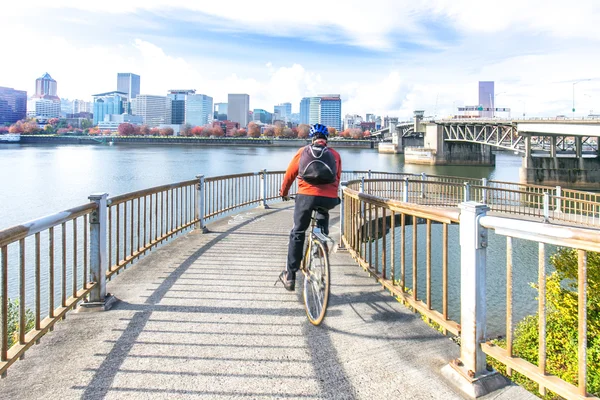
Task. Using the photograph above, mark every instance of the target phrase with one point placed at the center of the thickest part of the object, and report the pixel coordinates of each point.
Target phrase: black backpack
(317, 165)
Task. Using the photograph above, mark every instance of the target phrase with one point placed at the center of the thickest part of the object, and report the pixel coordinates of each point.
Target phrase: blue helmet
(318, 130)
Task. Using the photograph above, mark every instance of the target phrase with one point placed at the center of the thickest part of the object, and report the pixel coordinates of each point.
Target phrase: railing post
(467, 196)
(199, 211)
(469, 371)
(546, 207)
(558, 205)
(369, 174)
(484, 183)
(361, 189)
(263, 188)
(405, 190)
(98, 299)
(423, 179)
(342, 213)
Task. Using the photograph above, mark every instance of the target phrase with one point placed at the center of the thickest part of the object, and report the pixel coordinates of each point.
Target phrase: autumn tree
(207, 131)
(288, 133)
(126, 129)
(155, 131)
(186, 130)
(17, 127)
(217, 131)
(197, 130)
(303, 131)
(49, 129)
(356, 133)
(269, 131)
(239, 132)
(3, 129)
(278, 130)
(144, 130)
(345, 133)
(53, 121)
(94, 131)
(332, 131)
(166, 131)
(253, 130)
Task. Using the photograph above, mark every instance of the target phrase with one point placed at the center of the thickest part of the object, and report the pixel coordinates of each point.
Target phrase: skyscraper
(13, 105)
(106, 104)
(128, 83)
(486, 97)
(331, 111)
(154, 110)
(304, 110)
(238, 107)
(178, 105)
(284, 110)
(220, 111)
(45, 103)
(198, 109)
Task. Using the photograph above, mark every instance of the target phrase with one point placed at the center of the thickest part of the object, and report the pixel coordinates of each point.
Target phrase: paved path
(200, 318)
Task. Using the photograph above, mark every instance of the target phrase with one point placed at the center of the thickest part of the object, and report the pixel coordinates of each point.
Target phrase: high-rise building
(263, 116)
(304, 110)
(284, 110)
(238, 106)
(128, 83)
(370, 118)
(220, 113)
(178, 104)
(109, 103)
(331, 111)
(486, 98)
(198, 109)
(13, 105)
(45, 103)
(154, 110)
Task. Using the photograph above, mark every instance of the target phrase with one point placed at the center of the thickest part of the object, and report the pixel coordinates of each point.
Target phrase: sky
(386, 57)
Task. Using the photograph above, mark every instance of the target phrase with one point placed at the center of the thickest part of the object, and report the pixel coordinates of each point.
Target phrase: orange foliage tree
(217, 131)
(303, 131)
(253, 130)
(155, 131)
(197, 130)
(332, 131)
(125, 129)
(269, 131)
(167, 131)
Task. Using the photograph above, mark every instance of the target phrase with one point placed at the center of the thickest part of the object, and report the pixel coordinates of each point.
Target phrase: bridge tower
(418, 114)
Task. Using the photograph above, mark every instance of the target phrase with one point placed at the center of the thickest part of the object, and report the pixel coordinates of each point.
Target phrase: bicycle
(315, 267)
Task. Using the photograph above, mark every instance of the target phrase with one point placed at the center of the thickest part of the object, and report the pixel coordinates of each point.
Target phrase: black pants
(302, 213)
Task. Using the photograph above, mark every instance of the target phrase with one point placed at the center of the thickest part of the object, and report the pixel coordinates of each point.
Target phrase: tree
(126, 129)
(62, 123)
(94, 131)
(155, 131)
(253, 130)
(366, 134)
(345, 133)
(332, 131)
(137, 130)
(186, 130)
(49, 129)
(239, 132)
(53, 122)
(167, 131)
(3, 129)
(86, 123)
(207, 131)
(144, 130)
(278, 130)
(269, 131)
(30, 127)
(288, 133)
(197, 130)
(356, 133)
(217, 131)
(303, 131)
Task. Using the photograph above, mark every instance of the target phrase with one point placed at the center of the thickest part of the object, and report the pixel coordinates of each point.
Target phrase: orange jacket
(325, 190)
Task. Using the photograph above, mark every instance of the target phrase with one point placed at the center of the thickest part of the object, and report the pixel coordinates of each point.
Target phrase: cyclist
(318, 169)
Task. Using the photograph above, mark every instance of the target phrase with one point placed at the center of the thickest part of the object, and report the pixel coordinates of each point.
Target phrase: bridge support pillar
(470, 372)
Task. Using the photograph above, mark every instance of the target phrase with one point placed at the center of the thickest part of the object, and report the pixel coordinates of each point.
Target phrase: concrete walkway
(200, 318)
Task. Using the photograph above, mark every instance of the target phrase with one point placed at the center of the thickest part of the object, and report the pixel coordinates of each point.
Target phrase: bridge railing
(45, 268)
(382, 235)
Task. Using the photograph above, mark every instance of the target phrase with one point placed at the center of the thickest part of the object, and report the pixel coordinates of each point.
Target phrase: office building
(128, 83)
(486, 98)
(111, 122)
(45, 103)
(154, 110)
(178, 103)
(304, 110)
(370, 118)
(260, 115)
(310, 110)
(238, 107)
(13, 105)
(198, 109)
(331, 111)
(109, 103)
(220, 113)
(284, 110)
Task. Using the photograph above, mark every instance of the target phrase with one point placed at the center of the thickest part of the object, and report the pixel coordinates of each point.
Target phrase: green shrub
(13, 321)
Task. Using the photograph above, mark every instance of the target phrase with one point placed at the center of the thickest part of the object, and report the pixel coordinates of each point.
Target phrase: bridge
(200, 317)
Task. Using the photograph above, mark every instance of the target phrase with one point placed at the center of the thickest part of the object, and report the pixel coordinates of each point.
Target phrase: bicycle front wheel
(316, 283)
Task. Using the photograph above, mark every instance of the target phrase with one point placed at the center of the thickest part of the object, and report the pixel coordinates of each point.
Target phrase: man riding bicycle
(318, 169)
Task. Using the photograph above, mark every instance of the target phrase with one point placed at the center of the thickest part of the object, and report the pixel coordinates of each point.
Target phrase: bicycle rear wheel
(316, 283)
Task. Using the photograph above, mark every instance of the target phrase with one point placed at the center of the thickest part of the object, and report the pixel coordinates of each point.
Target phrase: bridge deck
(200, 318)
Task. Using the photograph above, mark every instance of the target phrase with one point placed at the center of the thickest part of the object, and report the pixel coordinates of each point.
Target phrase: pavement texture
(201, 318)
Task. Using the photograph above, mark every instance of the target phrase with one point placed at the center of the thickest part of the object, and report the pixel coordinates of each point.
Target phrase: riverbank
(193, 141)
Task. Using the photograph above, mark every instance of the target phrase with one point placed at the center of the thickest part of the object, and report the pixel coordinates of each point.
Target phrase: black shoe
(289, 284)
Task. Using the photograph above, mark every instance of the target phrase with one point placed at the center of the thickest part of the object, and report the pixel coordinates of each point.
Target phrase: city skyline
(432, 61)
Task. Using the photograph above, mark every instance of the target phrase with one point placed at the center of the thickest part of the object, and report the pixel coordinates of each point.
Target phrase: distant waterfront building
(370, 118)
(82, 106)
(109, 103)
(128, 83)
(220, 113)
(111, 122)
(310, 110)
(154, 110)
(284, 110)
(198, 109)
(178, 104)
(486, 97)
(352, 121)
(304, 110)
(263, 116)
(238, 107)
(295, 118)
(45, 103)
(13, 105)
(331, 111)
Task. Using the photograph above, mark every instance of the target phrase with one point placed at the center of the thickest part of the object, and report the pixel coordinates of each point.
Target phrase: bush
(561, 324)
(13, 321)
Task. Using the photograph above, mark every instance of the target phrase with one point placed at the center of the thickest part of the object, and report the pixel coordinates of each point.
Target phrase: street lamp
(575, 83)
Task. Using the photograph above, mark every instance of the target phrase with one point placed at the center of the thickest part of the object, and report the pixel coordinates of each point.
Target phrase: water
(37, 180)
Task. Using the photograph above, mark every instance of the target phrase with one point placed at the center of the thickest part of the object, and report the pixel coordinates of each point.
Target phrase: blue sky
(387, 57)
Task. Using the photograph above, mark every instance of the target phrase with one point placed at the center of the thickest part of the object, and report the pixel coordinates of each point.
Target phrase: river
(37, 180)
